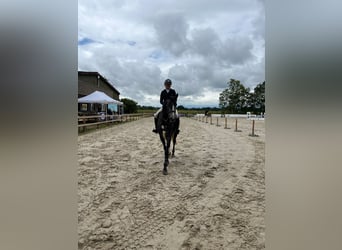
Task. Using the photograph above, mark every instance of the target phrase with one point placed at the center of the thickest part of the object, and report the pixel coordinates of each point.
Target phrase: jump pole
(211, 120)
(217, 124)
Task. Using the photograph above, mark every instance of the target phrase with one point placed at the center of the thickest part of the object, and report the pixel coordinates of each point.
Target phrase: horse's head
(169, 110)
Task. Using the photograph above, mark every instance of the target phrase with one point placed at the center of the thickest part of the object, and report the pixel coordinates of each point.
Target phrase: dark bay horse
(168, 124)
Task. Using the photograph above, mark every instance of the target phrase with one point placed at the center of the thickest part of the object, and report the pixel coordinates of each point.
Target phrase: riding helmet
(168, 81)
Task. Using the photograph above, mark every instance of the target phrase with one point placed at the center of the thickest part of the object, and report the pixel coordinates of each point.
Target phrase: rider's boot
(155, 124)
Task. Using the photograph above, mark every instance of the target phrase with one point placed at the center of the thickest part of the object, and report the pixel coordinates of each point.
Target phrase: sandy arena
(213, 197)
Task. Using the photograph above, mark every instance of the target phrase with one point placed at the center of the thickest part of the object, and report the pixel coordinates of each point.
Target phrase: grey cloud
(219, 79)
(237, 50)
(187, 41)
(204, 72)
(191, 80)
(259, 26)
(136, 79)
(131, 78)
(171, 30)
(257, 74)
(181, 77)
(199, 10)
(234, 50)
(205, 42)
(180, 73)
(185, 80)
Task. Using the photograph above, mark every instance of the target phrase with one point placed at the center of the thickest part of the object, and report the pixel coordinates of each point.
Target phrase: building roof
(97, 74)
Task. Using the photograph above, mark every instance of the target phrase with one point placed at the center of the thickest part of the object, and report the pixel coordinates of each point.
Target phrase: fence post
(236, 126)
(253, 127)
(217, 123)
(211, 120)
(225, 123)
(253, 122)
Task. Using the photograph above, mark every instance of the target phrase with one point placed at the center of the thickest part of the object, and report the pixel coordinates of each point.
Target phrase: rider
(167, 93)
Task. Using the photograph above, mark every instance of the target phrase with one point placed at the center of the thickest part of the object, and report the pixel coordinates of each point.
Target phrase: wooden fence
(97, 120)
(217, 120)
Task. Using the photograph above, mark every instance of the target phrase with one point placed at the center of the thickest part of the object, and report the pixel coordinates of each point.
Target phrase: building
(88, 82)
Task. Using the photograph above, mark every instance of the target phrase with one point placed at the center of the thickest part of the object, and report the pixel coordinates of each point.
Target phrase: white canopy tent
(99, 97)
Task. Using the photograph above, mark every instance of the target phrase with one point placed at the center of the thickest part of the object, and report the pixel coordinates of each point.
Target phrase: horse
(168, 128)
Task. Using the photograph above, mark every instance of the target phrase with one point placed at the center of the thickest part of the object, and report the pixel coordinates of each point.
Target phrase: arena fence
(85, 122)
(229, 119)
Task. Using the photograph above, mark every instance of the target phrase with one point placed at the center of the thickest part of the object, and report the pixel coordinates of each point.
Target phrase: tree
(130, 106)
(259, 97)
(235, 98)
(181, 107)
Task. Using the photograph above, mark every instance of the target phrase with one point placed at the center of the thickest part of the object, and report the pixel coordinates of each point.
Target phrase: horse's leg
(175, 133)
(161, 136)
(174, 143)
(166, 161)
(162, 139)
(166, 151)
(168, 144)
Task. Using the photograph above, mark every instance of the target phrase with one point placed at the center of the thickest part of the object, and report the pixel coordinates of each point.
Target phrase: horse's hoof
(165, 172)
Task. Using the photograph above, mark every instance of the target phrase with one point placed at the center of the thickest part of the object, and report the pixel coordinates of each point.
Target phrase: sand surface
(213, 197)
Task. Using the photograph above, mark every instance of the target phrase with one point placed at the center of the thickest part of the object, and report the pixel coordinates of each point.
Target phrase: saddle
(162, 122)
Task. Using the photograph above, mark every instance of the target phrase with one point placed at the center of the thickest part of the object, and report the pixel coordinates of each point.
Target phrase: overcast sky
(198, 44)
